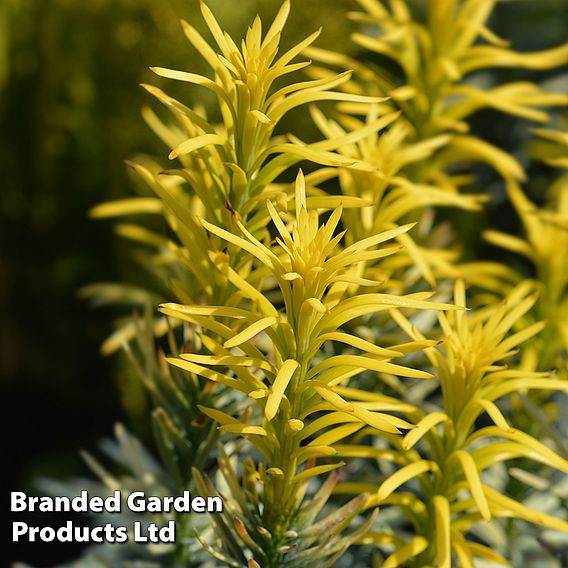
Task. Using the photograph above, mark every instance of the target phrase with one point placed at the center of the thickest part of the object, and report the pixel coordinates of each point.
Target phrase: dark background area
(69, 116)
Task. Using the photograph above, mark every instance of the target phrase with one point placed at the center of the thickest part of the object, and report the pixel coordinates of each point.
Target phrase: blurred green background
(69, 117)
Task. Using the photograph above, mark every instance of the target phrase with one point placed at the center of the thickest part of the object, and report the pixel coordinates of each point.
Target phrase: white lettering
(135, 502)
(18, 529)
(18, 501)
